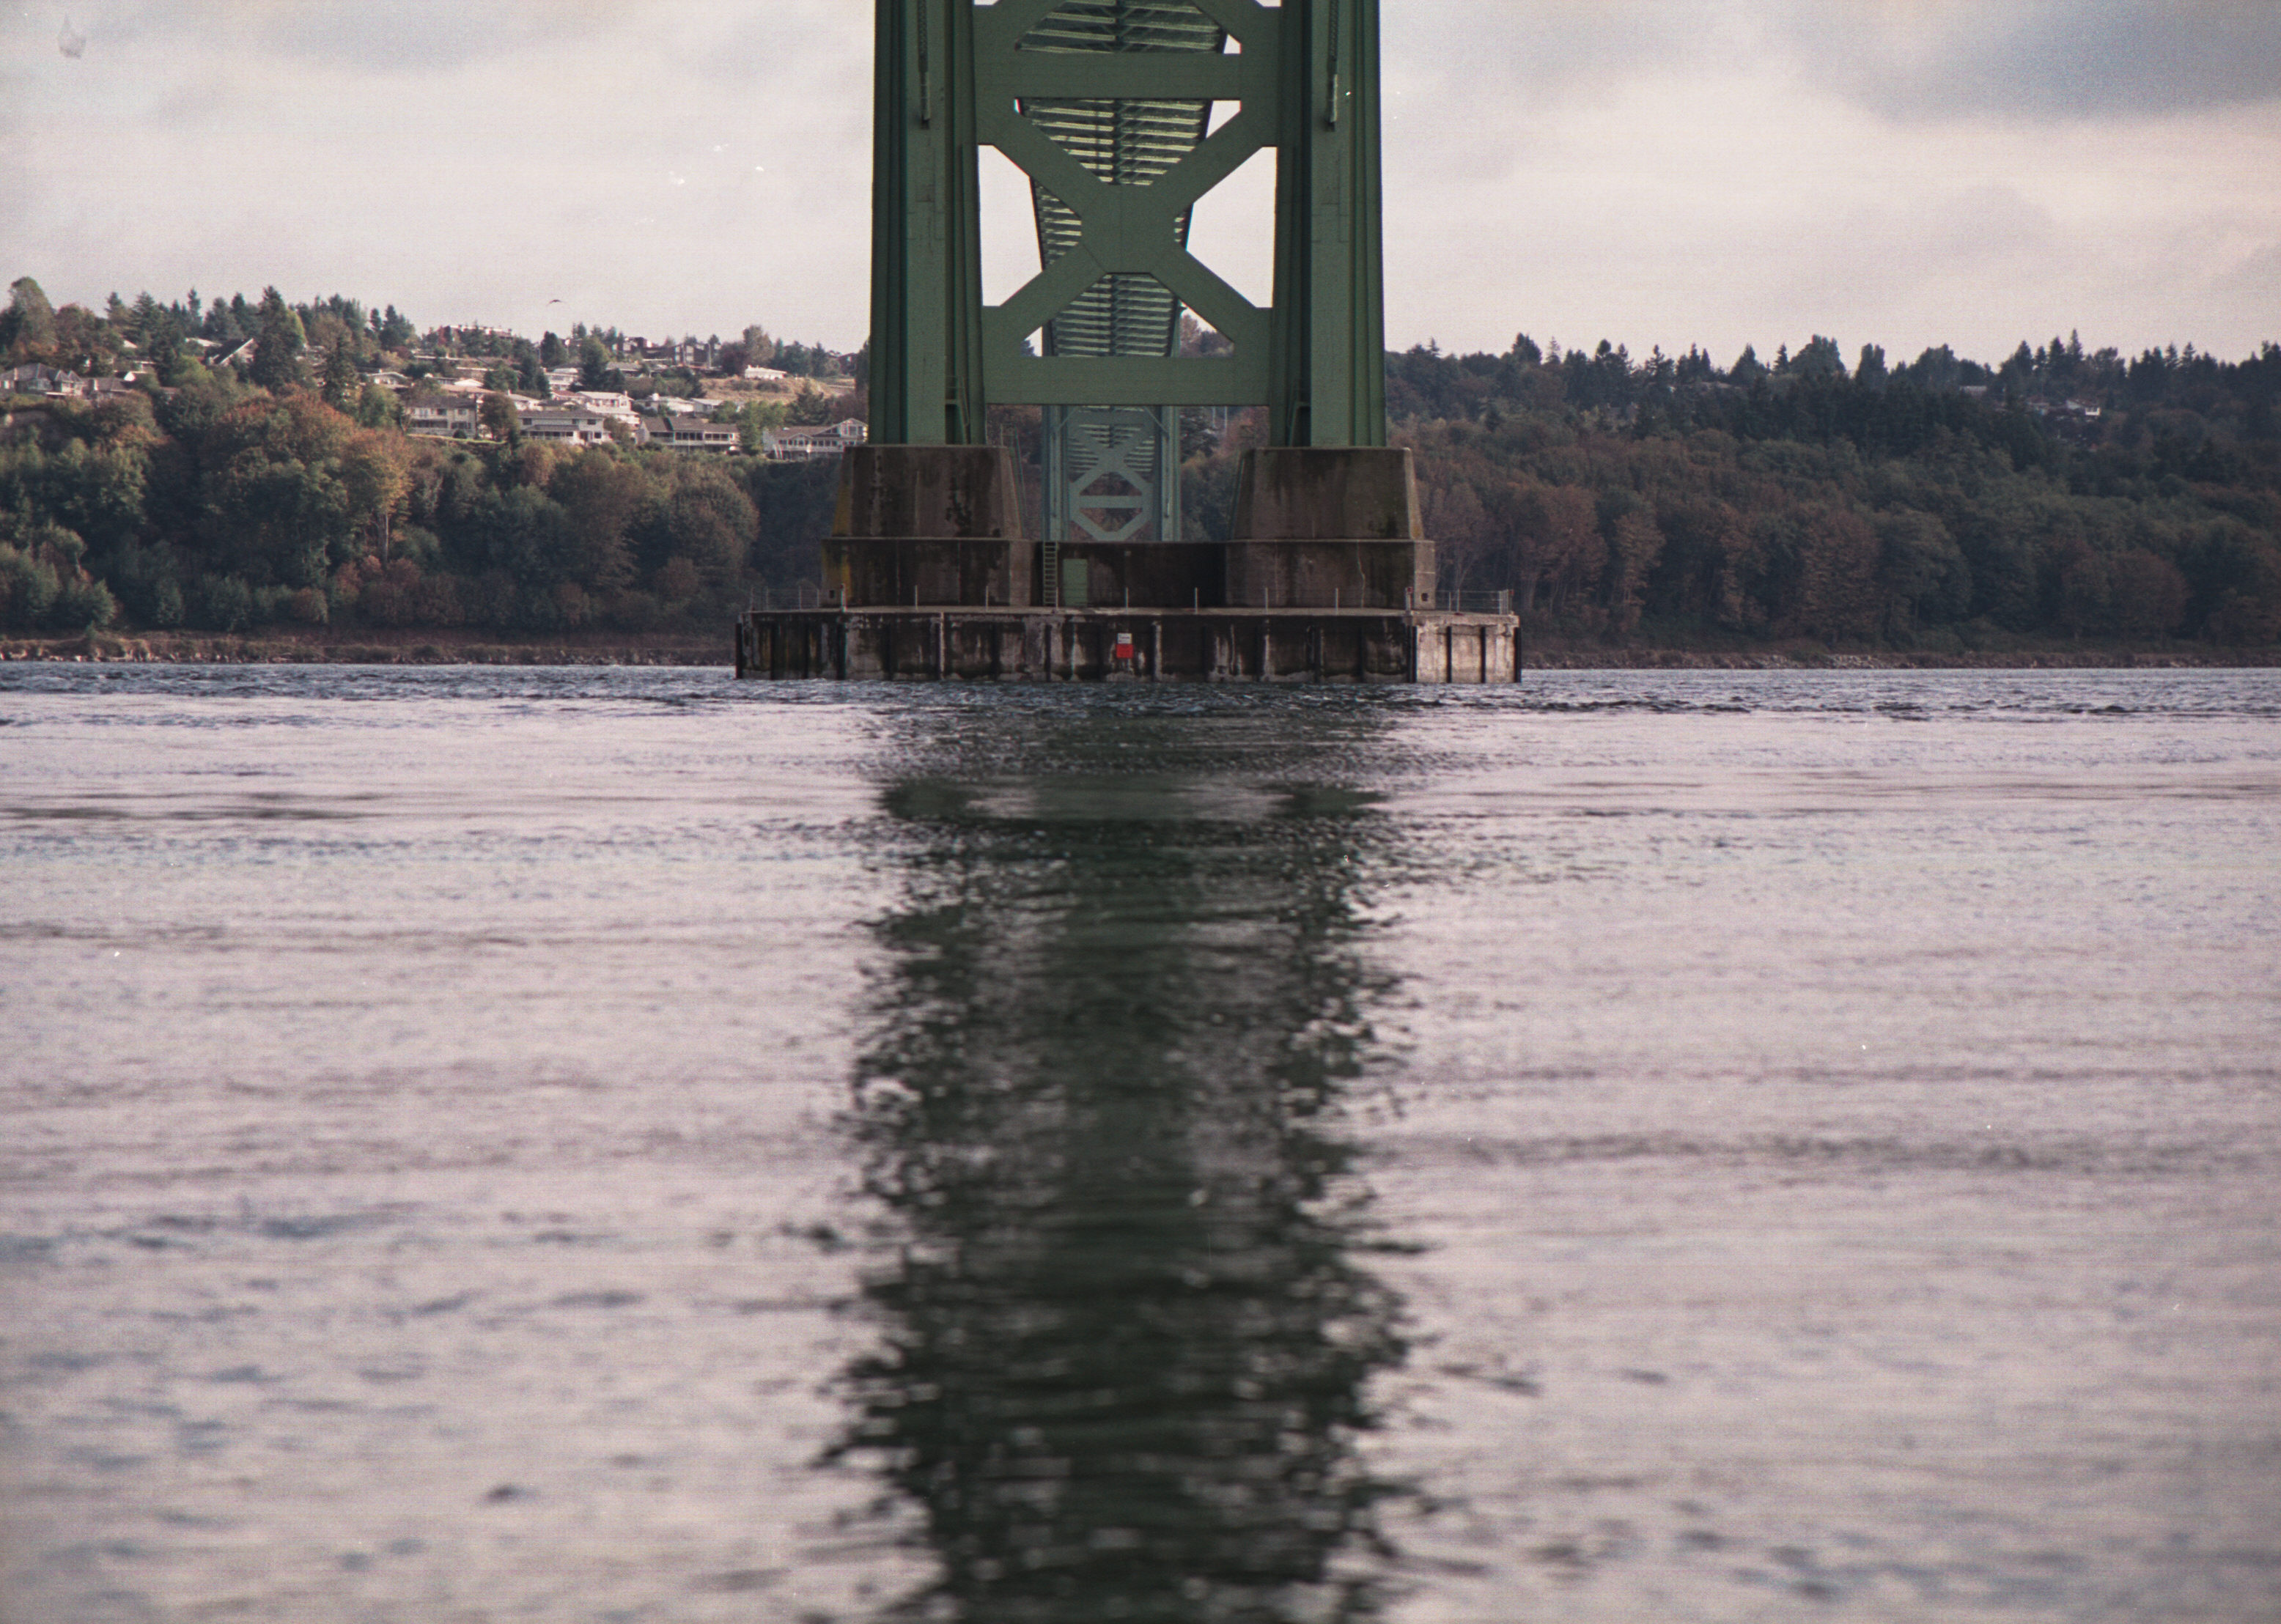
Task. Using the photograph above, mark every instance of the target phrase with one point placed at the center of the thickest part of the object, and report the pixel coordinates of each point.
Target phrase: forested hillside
(224, 507)
(277, 492)
(1938, 506)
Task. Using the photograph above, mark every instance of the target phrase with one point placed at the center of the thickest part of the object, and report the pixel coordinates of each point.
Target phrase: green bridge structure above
(1123, 114)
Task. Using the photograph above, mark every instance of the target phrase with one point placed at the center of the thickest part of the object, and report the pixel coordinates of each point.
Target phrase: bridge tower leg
(926, 241)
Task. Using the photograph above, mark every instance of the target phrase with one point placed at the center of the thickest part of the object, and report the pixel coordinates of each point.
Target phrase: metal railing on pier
(807, 595)
(803, 595)
(1498, 602)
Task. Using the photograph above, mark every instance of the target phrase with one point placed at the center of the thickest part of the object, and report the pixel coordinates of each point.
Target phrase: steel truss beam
(1113, 142)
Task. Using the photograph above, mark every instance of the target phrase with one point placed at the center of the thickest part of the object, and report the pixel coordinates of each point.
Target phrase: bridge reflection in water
(1127, 1327)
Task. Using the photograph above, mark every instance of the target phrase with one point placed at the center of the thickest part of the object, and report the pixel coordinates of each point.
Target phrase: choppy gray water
(509, 1145)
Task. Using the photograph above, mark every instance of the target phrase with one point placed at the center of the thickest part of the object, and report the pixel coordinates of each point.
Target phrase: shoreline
(432, 647)
(427, 647)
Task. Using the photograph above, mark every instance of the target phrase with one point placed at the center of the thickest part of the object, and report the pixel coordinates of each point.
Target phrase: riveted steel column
(926, 244)
(1329, 346)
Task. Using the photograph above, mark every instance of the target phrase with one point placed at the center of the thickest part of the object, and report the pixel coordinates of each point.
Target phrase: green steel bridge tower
(1123, 114)
(1106, 106)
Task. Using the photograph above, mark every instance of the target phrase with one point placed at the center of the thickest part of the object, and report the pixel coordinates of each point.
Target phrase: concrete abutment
(1326, 577)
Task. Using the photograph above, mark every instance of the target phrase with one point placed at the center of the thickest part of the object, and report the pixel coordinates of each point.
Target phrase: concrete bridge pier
(1326, 574)
(1326, 578)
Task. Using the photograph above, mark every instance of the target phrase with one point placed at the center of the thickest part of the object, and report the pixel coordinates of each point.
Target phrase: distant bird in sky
(555, 301)
(70, 42)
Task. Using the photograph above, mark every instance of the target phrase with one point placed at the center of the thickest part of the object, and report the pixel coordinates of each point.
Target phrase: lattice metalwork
(1105, 104)
(1123, 142)
(1112, 473)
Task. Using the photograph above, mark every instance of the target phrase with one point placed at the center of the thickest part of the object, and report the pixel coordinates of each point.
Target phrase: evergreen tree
(1820, 359)
(594, 369)
(343, 382)
(277, 363)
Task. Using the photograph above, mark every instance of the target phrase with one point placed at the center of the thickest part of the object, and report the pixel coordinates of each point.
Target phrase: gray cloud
(401, 37)
(2044, 58)
(1657, 171)
(2258, 276)
(1906, 59)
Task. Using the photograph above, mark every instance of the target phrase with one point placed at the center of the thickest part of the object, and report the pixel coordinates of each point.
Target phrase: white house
(453, 417)
(797, 445)
(609, 403)
(572, 428)
(690, 434)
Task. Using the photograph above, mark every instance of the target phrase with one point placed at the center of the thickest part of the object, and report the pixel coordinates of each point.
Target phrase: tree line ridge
(1939, 504)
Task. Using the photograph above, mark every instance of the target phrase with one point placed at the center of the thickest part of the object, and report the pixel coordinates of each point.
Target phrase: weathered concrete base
(1319, 527)
(906, 569)
(1326, 574)
(928, 524)
(1296, 645)
(1326, 493)
(1326, 577)
(1154, 574)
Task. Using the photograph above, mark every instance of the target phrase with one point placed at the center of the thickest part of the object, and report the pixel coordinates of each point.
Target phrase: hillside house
(609, 403)
(449, 418)
(690, 434)
(571, 428)
(799, 445)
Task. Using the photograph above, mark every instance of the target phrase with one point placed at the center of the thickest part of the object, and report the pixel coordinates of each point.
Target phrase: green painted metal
(1112, 471)
(1329, 359)
(1112, 474)
(1104, 105)
(926, 241)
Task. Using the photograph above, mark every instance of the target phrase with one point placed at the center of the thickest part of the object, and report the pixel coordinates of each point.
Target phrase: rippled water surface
(629, 1146)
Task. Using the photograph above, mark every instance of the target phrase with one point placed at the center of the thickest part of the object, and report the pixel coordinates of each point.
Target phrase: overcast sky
(1655, 171)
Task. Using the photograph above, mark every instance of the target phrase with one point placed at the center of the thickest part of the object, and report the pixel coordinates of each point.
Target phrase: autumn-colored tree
(376, 472)
(1555, 540)
(1463, 534)
(1832, 573)
(1634, 547)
